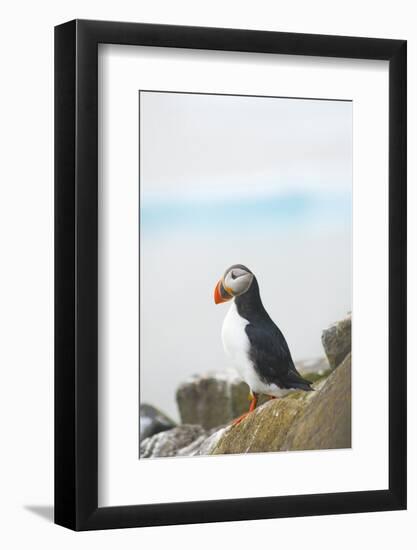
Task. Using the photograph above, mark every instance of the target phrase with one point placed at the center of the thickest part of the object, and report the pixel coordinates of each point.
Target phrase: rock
(300, 421)
(263, 430)
(213, 399)
(203, 445)
(337, 341)
(325, 422)
(152, 421)
(168, 443)
(304, 420)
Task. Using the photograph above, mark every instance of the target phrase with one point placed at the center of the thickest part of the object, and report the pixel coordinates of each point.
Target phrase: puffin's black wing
(271, 356)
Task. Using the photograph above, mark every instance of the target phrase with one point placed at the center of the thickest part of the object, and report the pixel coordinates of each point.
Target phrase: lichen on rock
(264, 429)
(316, 420)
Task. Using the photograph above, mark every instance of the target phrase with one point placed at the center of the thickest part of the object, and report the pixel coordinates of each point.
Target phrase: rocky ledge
(317, 420)
(300, 421)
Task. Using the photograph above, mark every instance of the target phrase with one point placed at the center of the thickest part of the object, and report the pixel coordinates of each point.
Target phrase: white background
(26, 203)
(122, 478)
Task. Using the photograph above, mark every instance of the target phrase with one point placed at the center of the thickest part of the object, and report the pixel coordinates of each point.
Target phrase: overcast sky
(208, 145)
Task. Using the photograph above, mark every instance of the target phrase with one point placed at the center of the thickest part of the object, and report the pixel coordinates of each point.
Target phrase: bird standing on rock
(252, 340)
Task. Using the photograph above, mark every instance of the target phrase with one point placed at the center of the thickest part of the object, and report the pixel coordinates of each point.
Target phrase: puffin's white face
(236, 281)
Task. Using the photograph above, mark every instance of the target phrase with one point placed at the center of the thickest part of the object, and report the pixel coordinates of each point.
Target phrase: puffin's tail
(296, 381)
(305, 385)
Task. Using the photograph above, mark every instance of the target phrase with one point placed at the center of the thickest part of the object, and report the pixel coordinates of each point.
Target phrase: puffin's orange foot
(251, 408)
(238, 420)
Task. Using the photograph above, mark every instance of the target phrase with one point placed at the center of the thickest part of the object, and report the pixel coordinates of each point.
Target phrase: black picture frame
(76, 272)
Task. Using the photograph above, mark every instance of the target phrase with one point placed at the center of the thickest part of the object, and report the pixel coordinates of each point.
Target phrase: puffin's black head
(235, 282)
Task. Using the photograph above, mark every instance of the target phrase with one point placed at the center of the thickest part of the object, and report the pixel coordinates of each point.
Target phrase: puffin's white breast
(235, 340)
(237, 346)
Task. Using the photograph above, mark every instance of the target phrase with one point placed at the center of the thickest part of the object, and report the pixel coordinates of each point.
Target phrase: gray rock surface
(170, 442)
(203, 445)
(326, 421)
(213, 399)
(152, 421)
(337, 341)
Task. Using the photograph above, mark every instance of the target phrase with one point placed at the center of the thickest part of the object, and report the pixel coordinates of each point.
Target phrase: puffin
(252, 340)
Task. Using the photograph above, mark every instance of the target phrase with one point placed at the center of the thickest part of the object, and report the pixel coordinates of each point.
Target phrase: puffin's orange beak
(220, 294)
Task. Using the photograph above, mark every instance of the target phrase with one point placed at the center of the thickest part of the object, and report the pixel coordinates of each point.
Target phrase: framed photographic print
(230, 253)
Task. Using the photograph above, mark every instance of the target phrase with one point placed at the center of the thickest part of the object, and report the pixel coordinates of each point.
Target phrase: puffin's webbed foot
(252, 407)
(238, 420)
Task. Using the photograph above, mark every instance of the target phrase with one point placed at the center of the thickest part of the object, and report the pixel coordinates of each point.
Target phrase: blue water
(291, 210)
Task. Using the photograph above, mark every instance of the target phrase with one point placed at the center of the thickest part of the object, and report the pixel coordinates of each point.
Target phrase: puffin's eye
(232, 274)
